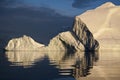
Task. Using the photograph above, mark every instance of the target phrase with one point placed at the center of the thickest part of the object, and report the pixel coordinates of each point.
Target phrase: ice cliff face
(23, 43)
(84, 35)
(78, 39)
(65, 41)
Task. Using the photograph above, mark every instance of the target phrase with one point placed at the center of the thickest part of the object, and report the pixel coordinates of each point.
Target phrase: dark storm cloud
(82, 3)
(4, 3)
(92, 3)
(40, 23)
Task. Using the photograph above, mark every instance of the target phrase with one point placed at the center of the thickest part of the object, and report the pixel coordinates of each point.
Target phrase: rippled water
(52, 65)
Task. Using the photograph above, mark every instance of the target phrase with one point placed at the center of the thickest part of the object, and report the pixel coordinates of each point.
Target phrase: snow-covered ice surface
(104, 23)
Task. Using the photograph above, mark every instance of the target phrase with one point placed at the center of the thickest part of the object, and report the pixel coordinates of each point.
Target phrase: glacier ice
(104, 23)
(65, 41)
(23, 43)
(84, 35)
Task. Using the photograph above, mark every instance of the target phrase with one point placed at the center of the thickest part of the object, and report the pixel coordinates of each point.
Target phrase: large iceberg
(23, 43)
(104, 23)
(65, 41)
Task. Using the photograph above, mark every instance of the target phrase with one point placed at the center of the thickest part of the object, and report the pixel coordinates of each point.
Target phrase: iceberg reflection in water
(24, 58)
(53, 65)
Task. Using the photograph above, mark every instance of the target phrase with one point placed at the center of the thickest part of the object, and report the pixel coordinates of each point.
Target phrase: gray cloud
(82, 3)
(40, 23)
(91, 3)
(4, 3)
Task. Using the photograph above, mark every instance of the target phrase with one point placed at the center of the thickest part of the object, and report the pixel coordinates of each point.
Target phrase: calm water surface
(29, 65)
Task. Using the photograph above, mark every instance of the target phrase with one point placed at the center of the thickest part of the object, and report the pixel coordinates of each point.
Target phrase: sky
(64, 7)
(41, 19)
(69, 7)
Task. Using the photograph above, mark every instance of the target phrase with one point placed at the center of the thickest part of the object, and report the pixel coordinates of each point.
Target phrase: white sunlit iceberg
(23, 43)
(104, 23)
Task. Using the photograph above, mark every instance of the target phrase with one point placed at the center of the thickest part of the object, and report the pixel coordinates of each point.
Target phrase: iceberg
(65, 41)
(104, 24)
(79, 39)
(98, 25)
(23, 43)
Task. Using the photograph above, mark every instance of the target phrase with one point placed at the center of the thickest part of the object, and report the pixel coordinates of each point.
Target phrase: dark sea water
(28, 65)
